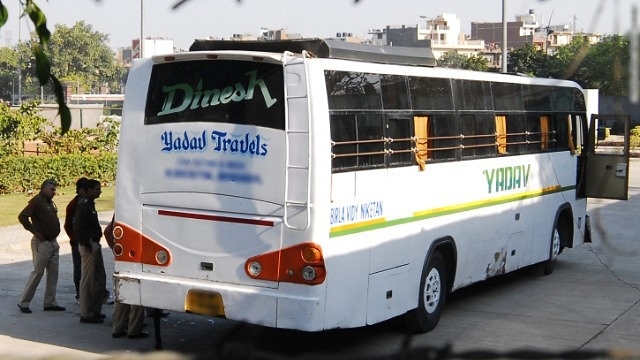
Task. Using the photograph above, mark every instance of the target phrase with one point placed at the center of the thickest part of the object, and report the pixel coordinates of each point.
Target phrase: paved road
(590, 302)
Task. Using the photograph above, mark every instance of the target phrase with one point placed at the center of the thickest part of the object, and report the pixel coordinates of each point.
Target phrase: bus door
(606, 173)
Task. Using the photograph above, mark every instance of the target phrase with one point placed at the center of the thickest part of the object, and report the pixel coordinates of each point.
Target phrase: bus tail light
(300, 264)
(132, 246)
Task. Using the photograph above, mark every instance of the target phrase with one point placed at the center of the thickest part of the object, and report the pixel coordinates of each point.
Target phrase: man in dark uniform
(87, 231)
(81, 188)
(40, 217)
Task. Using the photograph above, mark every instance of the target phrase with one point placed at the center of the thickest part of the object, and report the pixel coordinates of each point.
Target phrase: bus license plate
(204, 302)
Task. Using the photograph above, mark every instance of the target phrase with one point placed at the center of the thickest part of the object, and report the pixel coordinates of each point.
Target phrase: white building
(445, 34)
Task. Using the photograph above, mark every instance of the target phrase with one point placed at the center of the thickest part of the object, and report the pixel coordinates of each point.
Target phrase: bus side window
(560, 126)
(343, 137)
(394, 92)
(443, 137)
(479, 135)
(516, 135)
(400, 145)
(370, 140)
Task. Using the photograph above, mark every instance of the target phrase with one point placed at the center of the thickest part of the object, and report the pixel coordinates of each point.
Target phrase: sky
(198, 19)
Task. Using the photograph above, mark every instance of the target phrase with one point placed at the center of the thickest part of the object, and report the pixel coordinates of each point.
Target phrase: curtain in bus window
(572, 146)
(421, 128)
(501, 133)
(544, 132)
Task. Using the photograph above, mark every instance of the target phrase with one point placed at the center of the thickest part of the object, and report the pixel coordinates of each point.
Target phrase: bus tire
(432, 295)
(554, 249)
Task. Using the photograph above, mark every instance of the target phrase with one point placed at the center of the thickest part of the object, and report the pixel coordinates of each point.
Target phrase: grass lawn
(12, 204)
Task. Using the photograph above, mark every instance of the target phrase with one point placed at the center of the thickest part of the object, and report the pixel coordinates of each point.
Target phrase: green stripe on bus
(421, 215)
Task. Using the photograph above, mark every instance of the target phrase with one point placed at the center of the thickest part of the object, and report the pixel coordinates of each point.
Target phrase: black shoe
(101, 316)
(142, 335)
(163, 314)
(24, 309)
(93, 320)
(54, 308)
(118, 334)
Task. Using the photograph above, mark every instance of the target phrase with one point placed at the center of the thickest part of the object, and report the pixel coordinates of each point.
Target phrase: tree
(606, 66)
(528, 60)
(603, 65)
(81, 54)
(43, 64)
(478, 63)
(452, 59)
(8, 72)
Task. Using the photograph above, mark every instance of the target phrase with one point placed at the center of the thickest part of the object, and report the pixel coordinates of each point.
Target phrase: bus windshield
(219, 91)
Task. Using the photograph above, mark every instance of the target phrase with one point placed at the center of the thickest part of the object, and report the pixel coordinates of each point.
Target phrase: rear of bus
(200, 198)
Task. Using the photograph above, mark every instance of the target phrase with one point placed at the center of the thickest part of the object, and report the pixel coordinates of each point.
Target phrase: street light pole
(19, 69)
(504, 37)
(634, 95)
(141, 28)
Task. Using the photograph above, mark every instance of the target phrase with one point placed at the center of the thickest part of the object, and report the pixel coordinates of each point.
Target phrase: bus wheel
(549, 265)
(433, 293)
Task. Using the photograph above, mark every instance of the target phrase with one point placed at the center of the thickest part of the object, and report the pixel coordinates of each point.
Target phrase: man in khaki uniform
(87, 230)
(40, 217)
(127, 319)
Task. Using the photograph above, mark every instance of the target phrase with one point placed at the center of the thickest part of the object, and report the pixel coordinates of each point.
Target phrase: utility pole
(141, 28)
(633, 63)
(19, 68)
(504, 37)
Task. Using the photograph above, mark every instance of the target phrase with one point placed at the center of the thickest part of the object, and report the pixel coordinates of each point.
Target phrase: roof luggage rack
(334, 49)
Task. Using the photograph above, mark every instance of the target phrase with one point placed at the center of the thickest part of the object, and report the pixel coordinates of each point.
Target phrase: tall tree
(43, 64)
(528, 60)
(80, 54)
(452, 59)
(606, 66)
(8, 72)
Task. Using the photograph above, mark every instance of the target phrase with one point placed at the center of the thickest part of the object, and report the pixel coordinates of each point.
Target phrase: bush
(20, 174)
(634, 137)
(89, 152)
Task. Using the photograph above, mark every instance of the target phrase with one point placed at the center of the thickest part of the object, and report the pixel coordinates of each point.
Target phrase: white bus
(309, 185)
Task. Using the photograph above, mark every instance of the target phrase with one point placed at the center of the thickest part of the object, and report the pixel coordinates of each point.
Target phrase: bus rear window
(220, 91)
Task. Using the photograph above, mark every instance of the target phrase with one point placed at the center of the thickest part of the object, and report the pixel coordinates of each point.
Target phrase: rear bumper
(251, 304)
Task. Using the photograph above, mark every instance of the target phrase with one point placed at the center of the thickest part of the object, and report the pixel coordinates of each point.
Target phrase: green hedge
(20, 173)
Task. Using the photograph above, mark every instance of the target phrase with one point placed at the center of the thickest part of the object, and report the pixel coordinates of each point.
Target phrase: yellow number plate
(204, 302)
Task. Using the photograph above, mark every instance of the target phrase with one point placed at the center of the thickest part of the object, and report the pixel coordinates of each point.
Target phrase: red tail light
(300, 264)
(130, 245)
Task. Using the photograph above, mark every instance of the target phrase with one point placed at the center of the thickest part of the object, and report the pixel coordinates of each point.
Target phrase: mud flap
(587, 227)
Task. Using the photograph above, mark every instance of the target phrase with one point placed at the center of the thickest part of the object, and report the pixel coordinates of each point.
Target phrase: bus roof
(335, 49)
